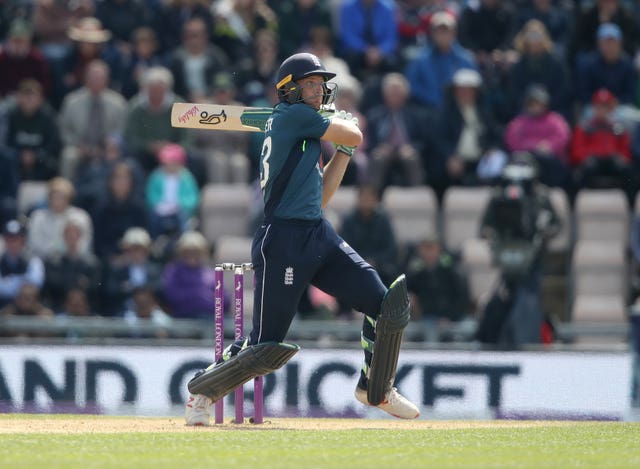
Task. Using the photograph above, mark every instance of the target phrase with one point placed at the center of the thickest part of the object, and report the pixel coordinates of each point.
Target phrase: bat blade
(219, 117)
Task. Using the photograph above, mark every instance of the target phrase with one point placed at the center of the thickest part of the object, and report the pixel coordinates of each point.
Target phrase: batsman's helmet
(299, 66)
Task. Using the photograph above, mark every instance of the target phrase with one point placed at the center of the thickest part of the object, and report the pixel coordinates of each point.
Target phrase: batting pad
(394, 317)
(255, 360)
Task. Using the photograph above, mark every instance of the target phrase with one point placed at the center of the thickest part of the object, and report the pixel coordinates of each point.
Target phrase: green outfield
(110, 442)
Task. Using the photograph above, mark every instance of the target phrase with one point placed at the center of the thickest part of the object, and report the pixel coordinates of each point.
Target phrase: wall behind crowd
(107, 194)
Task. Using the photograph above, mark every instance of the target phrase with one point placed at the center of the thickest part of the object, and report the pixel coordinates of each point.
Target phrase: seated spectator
(196, 61)
(257, 71)
(20, 60)
(431, 72)
(88, 118)
(168, 19)
(121, 18)
(609, 67)
(26, 303)
(172, 193)
(538, 64)
(90, 42)
(466, 134)
(133, 269)
(33, 135)
(368, 230)
(144, 306)
(413, 19)
(71, 269)
(8, 189)
(17, 266)
(76, 305)
(600, 149)
(439, 289)
(302, 18)
(117, 211)
(555, 19)
(145, 53)
(396, 137)
(188, 282)
(321, 44)
(225, 153)
(601, 12)
(368, 37)
(46, 228)
(147, 126)
(543, 133)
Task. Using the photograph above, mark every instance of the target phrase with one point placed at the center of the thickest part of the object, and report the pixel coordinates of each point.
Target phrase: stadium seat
(462, 209)
(341, 204)
(477, 263)
(30, 195)
(413, 212)
(600, 281)
(224, 210)
(602, 215)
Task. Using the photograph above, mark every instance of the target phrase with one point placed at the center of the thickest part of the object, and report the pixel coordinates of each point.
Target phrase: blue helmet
(299, 66)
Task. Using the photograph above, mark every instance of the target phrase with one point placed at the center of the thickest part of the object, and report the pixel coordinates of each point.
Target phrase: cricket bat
(219, 117)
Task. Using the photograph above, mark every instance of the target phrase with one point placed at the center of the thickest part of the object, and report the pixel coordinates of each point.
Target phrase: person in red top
(601, 148)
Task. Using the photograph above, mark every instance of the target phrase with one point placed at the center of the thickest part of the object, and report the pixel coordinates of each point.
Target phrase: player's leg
(347, 276)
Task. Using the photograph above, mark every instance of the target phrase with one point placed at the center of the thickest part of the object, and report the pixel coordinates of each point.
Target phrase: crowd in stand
(445, 92)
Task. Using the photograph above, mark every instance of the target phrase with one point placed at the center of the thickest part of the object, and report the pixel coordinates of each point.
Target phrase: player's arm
(343, 132)
(332, 175)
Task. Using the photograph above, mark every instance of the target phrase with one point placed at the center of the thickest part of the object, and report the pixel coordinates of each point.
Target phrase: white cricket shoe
(394, 404)
(198, 410)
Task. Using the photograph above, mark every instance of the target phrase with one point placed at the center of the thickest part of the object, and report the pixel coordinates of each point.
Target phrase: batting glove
(347, 150)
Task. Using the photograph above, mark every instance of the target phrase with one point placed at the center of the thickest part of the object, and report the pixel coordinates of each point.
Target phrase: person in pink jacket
(543, 133)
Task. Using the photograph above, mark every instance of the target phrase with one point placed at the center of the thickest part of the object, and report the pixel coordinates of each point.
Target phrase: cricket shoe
(198, 410)
(394, 404)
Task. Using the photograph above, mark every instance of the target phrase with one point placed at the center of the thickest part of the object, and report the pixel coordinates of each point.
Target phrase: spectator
(171, 17)
(196, 61)
(610, 67)
(368, 37)
(543, 133)
(590, 20)
(555, 19)
(144, 307)
(148, 123)
(188, 282)
(225, 153)
(46, 229)
(237, 23)
(133, 269)
(396, 136)
(76, 305)
(302, 18)
(26, 303)
(439, 289)
(430, 73)
(368, 230)
(321, 44)
(72, 269)
(601, 149)
(172, 193)
(17, 267)
(144, 54)
(538, 64)
(256, 71)
(90, 42)
(8, 189)
(122, 17)
(414, 17)
(89, 117)
(33, 134)
(119, 209)
(20, 60)
(466, 134)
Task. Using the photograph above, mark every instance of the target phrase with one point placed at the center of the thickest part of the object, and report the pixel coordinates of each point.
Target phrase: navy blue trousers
(287, 256)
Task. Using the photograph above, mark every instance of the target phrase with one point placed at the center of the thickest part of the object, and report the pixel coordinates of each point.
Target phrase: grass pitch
(111, 442)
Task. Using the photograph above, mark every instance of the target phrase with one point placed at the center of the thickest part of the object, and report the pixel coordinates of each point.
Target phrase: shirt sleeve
(306, 122)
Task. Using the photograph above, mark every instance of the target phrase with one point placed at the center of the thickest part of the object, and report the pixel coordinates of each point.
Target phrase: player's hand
(347, 116)
(347, 150)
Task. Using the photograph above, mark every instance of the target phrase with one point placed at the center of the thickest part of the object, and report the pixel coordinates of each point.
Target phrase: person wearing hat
(608, 67)
(17, 266)
(20, 60)
(601, 149)
(188, 281)
(134, 268)
(543, 133)
(33, 135)
(172, 192)
(225, 153)
(466, 133)
(431, 72)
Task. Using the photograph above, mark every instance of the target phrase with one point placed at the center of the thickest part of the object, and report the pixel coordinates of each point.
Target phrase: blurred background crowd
(531, 107)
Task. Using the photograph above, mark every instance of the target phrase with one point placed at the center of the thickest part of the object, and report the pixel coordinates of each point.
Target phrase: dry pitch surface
(98, 424)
